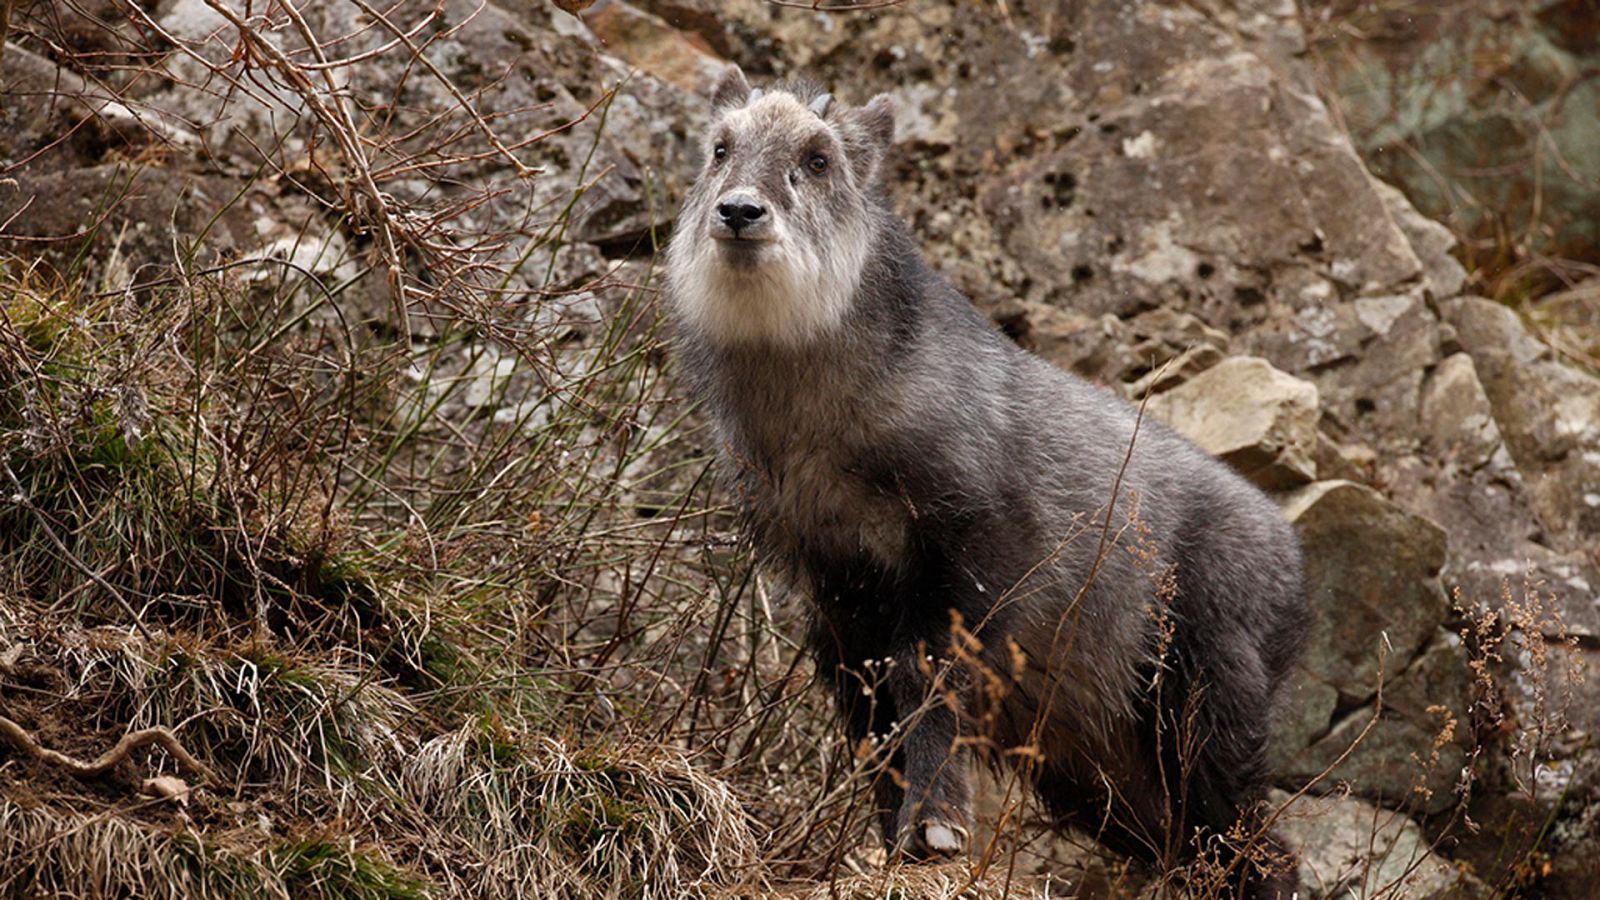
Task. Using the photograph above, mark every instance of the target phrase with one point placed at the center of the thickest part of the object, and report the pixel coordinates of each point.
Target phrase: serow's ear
(870, 134)
(877, 122)
(731, 91)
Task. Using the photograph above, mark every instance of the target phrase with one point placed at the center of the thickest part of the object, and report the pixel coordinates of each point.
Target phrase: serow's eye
(817, 164)
(720, 152)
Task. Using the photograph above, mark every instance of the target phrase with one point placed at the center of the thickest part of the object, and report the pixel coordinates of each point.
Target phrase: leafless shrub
(544, 820)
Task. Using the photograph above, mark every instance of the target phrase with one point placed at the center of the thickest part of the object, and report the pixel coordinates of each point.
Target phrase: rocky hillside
(342, 464)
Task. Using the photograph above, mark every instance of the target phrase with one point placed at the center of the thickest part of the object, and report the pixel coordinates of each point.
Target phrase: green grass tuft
(317, 868)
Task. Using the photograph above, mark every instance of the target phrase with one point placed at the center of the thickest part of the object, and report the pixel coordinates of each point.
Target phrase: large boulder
(1381, 702)
(1105, 157)
(1259, 420)
(1372, 574)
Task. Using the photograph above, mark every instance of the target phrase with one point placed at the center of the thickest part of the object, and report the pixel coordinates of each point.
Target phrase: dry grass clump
(363, 633)
(54, 853)
(264, 717)
(479, 810)
(545, 820)
(145, 472)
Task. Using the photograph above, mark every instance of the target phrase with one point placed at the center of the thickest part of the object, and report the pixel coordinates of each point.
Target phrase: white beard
(790, 293)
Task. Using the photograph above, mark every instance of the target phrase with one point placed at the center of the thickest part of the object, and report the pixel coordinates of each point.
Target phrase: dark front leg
(937, 806)
(886, 690)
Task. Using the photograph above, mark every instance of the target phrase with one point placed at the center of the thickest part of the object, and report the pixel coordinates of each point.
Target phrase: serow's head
(773, 235)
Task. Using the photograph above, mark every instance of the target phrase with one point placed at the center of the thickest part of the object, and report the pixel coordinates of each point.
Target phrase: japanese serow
(963, 515)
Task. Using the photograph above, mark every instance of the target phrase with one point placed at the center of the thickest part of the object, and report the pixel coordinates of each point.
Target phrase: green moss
(606, 802)
(51, 319)
(341, 578)
(443, 660)
(282, 670)
(495, 742)
(313, 868)
(601, 816)
(224, 874)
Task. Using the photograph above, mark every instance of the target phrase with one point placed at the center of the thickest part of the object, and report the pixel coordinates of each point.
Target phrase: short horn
(820, 105)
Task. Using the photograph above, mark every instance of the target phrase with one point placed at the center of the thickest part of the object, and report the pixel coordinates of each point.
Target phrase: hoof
(933, 839)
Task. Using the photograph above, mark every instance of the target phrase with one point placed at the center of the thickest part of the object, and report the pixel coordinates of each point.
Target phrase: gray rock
(1308, 708)
(487, 375)
(1153, 210)
(130, 216)
(1367, 356)
(1351, 849)
(1344, 462)
(1151, 352)
(701, 20)
(648, 42)
(39, 102)
(1442, 275)
(1128, 157)
(612, 146)
(44, 100)
(1457, 421)
(1549, 413)
(1372, 579)
(1387, 342)
(1409, 753)
(1096, 347)
(1173, 371)
(1256, 418)
(1171, 347)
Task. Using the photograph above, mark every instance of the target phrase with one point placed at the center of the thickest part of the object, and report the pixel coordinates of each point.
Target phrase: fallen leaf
(168, 787)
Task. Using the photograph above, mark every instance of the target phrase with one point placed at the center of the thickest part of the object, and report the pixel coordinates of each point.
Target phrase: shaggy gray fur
(908, 466)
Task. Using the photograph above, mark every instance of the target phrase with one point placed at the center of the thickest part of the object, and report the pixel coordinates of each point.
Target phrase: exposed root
(133, 740)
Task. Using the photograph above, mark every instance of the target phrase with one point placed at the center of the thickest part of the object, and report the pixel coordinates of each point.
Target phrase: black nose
(739, 214)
